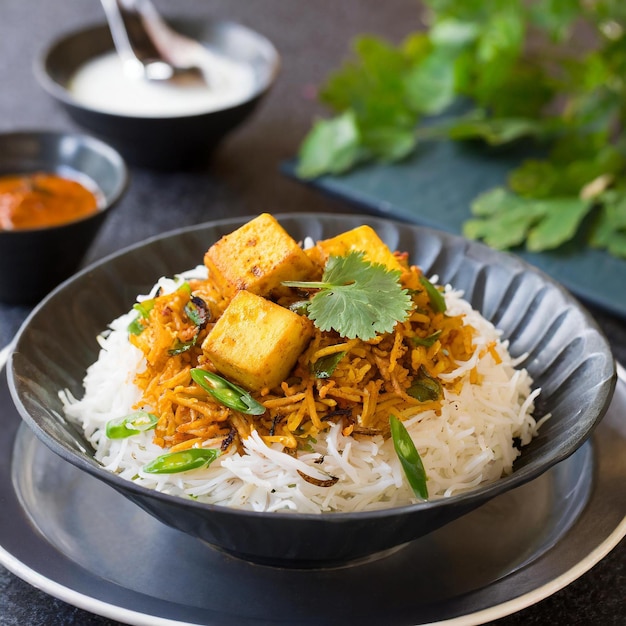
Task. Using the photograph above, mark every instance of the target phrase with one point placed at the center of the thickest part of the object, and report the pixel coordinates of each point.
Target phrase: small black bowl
(567, 355)
(33, 261)
(162, 143)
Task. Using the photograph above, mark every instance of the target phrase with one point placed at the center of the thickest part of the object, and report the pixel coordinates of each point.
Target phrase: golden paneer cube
(258, 257)
(255, 342)
(364, 239)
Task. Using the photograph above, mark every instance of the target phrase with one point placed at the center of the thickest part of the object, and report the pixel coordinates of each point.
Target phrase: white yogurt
(103, 85)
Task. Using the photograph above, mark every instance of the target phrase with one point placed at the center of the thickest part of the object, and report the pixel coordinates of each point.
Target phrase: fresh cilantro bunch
(356, 298)
(516, 67)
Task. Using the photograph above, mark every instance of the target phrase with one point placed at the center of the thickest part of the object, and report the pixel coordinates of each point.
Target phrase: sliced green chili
(427, 342)
(184, 286)
(437, 301)
(137, 326)
(182, 461)
(133, 424)
(227, 393)
(324, 367)
(409, 458)
(144, 308)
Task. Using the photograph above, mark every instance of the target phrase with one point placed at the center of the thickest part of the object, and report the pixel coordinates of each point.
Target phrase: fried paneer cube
(255, 342)
(364, 239)
(258, 257)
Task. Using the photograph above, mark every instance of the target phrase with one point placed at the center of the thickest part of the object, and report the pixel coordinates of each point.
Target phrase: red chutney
(41, 200)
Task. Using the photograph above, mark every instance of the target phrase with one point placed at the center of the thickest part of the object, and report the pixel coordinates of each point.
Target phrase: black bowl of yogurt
(165, 125)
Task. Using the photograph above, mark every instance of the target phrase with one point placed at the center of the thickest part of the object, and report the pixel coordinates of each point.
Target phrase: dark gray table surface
(243, 179)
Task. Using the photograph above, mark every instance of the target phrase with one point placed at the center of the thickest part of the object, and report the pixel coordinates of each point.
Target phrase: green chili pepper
(144, 308)
(427, 342)
(182, 461)
(324, 367)
(136, 327)
(133, 424)
(409, 458)
(437, 301)
(185, 286)
(227, 393)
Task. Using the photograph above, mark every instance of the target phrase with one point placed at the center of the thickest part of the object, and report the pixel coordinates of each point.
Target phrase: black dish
(34, 261)
(164, 143)
(567, 356)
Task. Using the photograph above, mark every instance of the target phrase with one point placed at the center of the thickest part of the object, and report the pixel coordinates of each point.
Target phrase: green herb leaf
(357, 298)
(371, 83)
(332, 147)
(555, 16)
(509, 220)
(182, 461)
(477, 125)
(182, 346)
(387, 143)
(324, 367)
(227, 393)
(425, 388)
(560, 222)
(409, 458)
(609, 231)
(198, 311)
(430, 84)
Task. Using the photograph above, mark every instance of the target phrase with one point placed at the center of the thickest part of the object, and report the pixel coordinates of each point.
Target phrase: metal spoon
(150, 49)
(5, 353)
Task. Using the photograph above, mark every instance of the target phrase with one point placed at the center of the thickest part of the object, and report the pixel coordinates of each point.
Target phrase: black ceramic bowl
(34, 261)
(567, 356)
(161, 142)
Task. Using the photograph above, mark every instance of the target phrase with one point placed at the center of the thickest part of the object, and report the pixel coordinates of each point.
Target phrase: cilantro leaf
(559, 223)
(371, 84)
(555, 16)
(506, 220)
(332, 147)
(609, 231)
(477, 125)
(356, 298)
(430, 85)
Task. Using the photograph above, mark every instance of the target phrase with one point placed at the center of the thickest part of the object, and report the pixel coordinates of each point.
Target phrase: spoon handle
(138, 52)
(4, 354)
